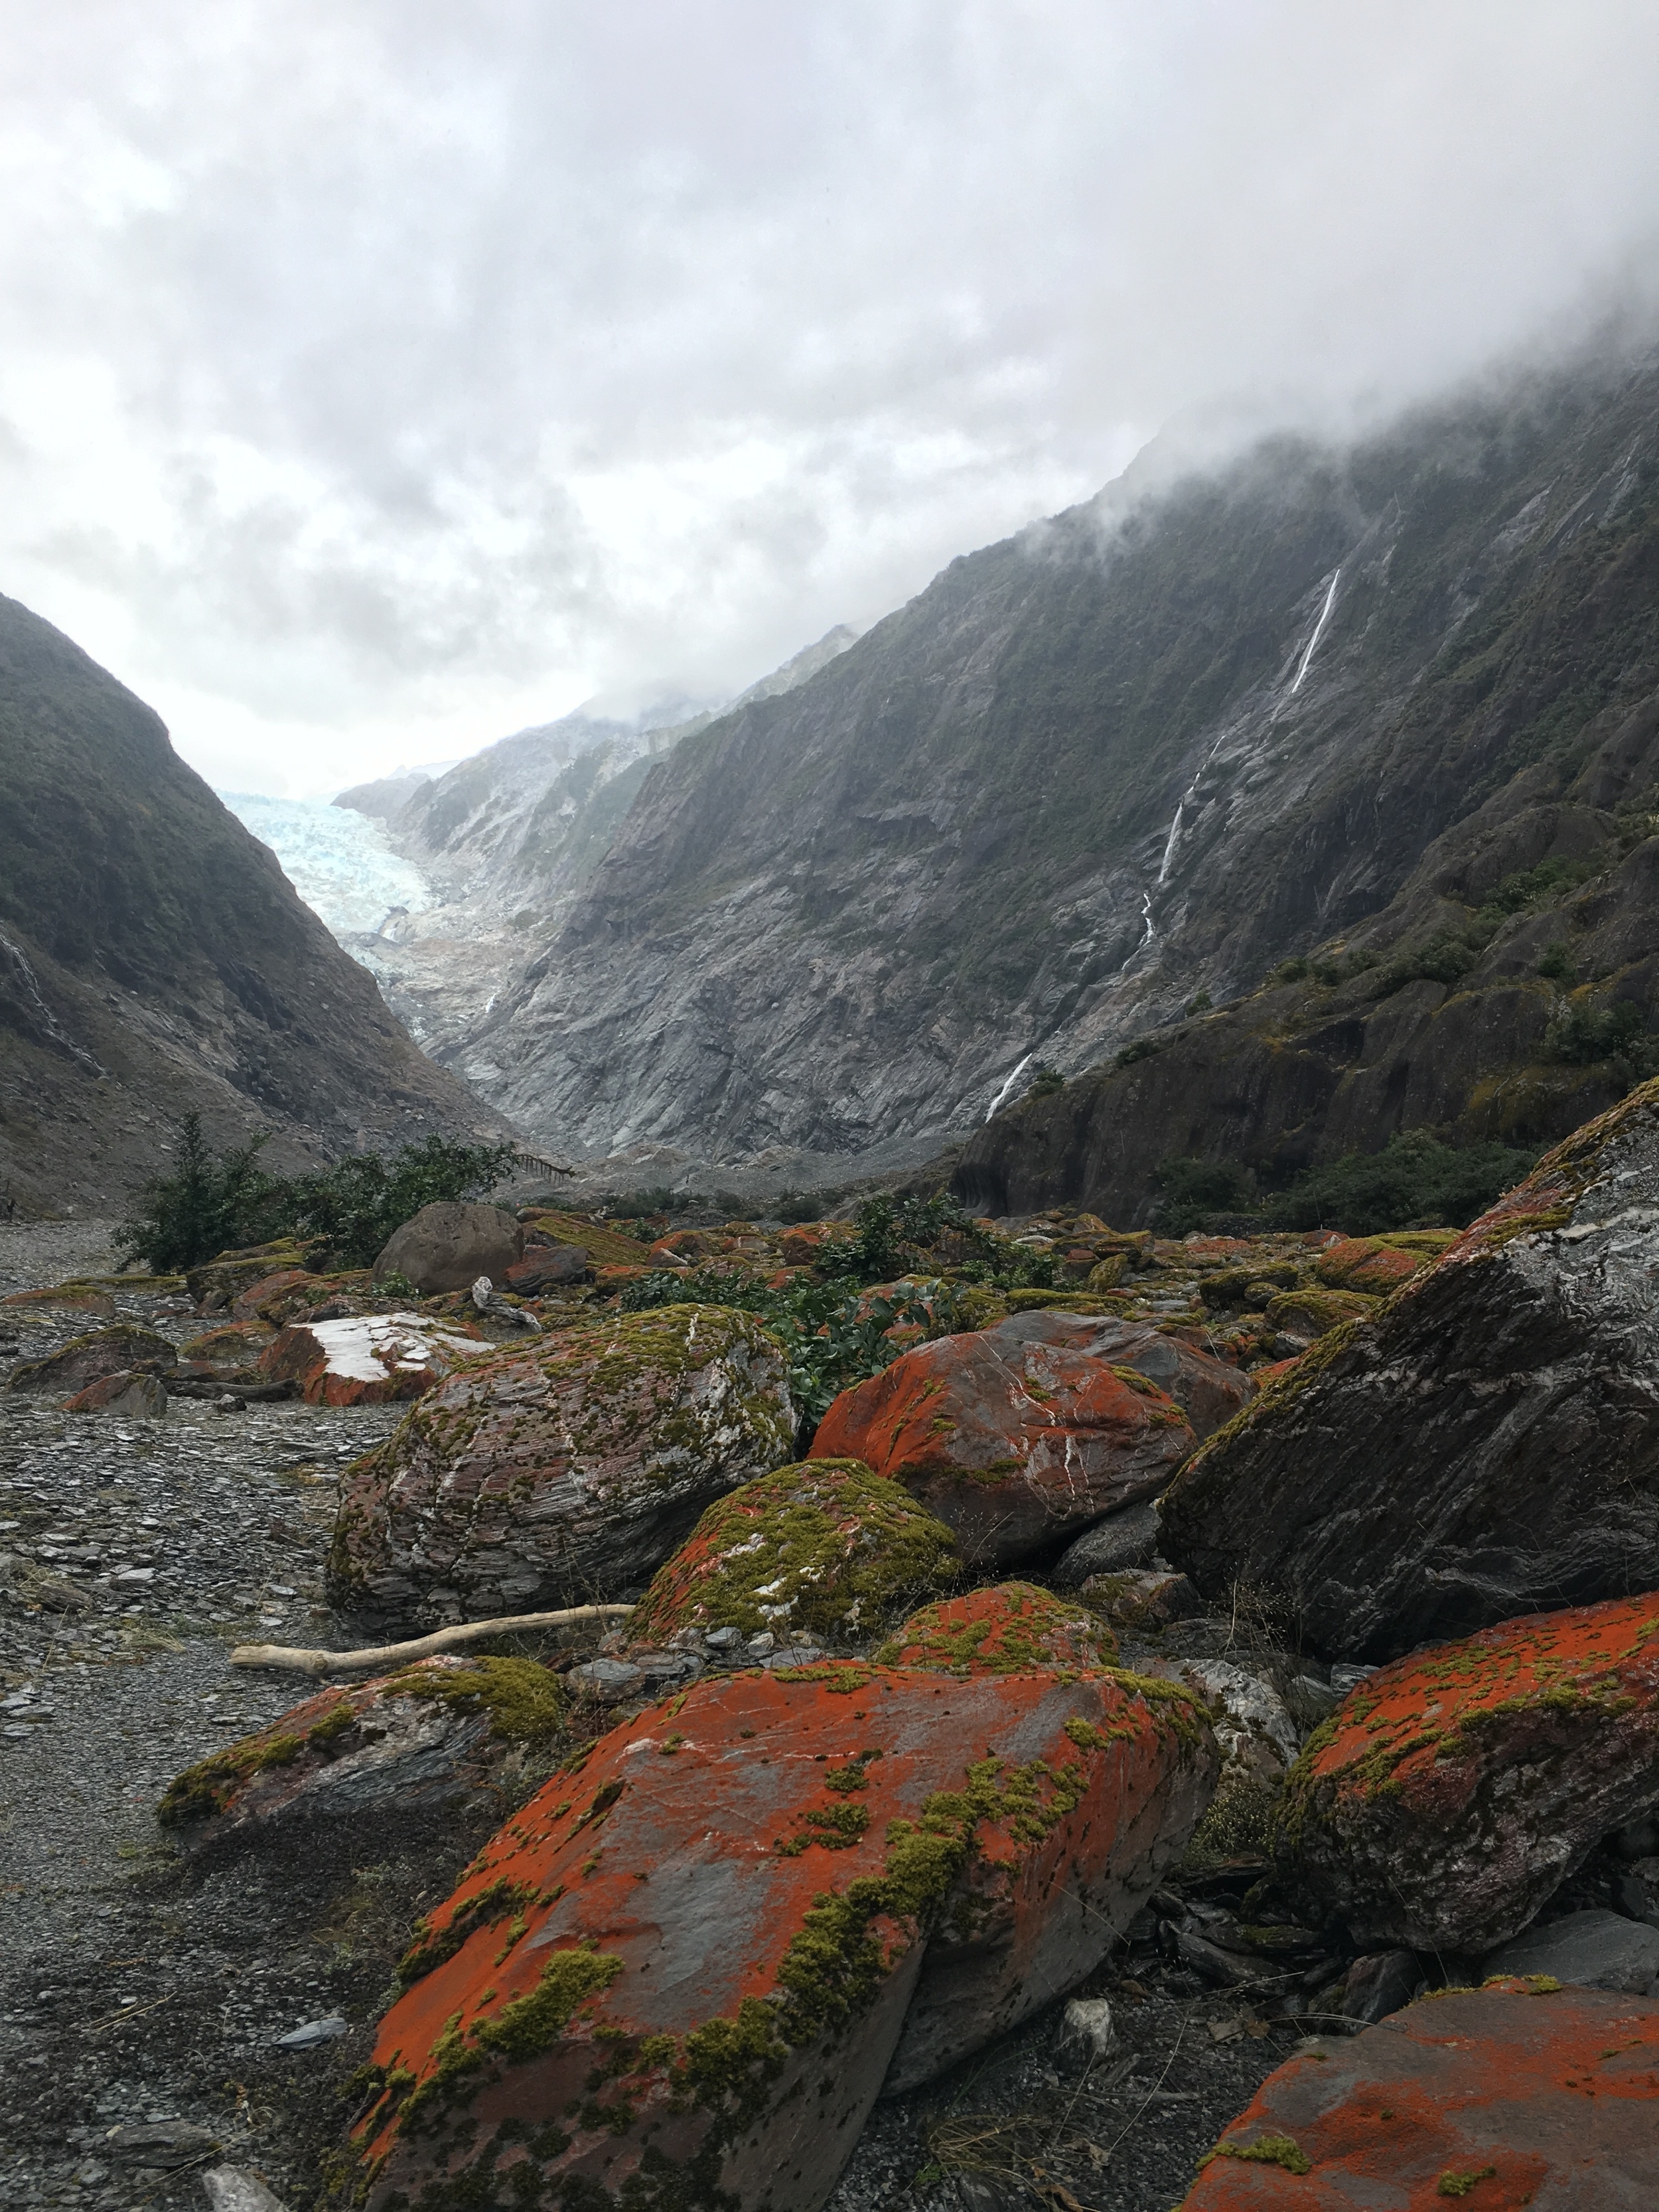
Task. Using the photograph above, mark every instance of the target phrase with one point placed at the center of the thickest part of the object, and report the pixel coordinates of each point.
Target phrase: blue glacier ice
(338, 860)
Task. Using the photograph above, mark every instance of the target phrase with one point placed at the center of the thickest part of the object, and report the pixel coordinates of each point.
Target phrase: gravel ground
(141, 2000)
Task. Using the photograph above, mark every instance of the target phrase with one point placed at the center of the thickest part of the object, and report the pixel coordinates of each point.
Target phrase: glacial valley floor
(142, 2000)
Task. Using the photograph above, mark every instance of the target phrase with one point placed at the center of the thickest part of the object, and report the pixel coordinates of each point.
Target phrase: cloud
(382, 373)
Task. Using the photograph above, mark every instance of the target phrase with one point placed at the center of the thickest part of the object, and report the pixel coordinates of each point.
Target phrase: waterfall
(996, 1104)
(1319, 632)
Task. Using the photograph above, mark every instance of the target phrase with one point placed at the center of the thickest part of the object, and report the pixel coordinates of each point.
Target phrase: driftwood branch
(398, 1654)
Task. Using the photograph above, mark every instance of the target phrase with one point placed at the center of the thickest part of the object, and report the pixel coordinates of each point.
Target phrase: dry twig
(295, 1661)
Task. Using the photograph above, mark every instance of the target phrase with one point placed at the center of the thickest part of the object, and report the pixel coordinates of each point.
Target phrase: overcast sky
(377, 378)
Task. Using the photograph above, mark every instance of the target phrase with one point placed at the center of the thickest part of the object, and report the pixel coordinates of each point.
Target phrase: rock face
(1017, 1436)
(154, 959)
(404, 1746)
(366, 1359)
(822, 1546)
(1488, 1445)
(88, 1359)
(684, 1968)
(447, 1245)
(1503, 2096)
(1455, 1790)
(1591, 1950)
(942, 852)
(564, 1470)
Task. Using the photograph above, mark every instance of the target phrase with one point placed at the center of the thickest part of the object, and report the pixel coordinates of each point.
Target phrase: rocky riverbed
(143, 2002)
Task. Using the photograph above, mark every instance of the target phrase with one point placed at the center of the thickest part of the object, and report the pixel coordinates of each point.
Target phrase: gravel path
(142, 2001)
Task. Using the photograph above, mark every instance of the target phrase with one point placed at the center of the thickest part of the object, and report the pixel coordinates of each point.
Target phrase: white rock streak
(367, 1347)
(998, 1103)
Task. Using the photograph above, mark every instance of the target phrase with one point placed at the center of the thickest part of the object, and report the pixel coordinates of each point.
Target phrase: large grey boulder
(1488, 1446)
(87, 1360)
(447, 1245)
(1592, 1950)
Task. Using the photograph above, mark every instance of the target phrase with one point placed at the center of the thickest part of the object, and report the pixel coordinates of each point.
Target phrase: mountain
(505, 841)
(154, 958)
(1141, 752)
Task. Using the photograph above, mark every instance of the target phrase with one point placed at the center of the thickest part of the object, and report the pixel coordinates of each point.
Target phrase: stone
(139, 1397)
(228, 2189)
(1087, 2035)
(87, 1360)
(544, 1267)
(227, 1274)
(269, 1294)
(307, 2036)
(1487, 1445)
(1506, 2096)
(1140, 1602)
(162, 2145)
(1455, 1790)
(1379, 1264)
(1015, 1440)
(821, 1545)
(234, 1344)
(404, 1745)
(1310, 1313)
(1006, 1630)
(368, 1359)
(447, 1245)
(1593, 1950)
(1125, 1539)
(1381, 1982)
(563, 1469)
(1207, 1390)
(684, 1965)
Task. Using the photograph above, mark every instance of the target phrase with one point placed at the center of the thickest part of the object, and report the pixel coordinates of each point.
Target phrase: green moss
(526, 1702)
(1265, 2150)
(1454, 2183)
(204, 1789)
(502, 1900)
(966, 1635)
(823, 1544)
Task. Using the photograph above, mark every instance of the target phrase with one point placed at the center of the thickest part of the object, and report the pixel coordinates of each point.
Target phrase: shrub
(1200, 1003)
(1194, 1188)
(1046, 1083)
(208, 1205)
(1142, 1049)
(1415, 1181)
(1557, 963)
(1586, 1032)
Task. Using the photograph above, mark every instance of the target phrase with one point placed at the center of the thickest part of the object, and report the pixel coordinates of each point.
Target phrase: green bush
(1414, 1182)
(208, 1205)
(1586, 1032)
(1200, 1003)
(1142, 1049)
(1046, 1083)
(1194, 1188)
(1556, 962)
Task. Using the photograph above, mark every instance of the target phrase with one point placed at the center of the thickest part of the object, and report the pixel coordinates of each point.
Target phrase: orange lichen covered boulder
(1017, 1438)
(266, 1288)
(1487, 1444)
(234, 1344)
(822, 1546)
(1379, 1264)
(131, 1391)
(546, 1473)
(366, 1359)
(679, 1974)
(1006, 1630)
(1454, 1790)
(1516, 2094)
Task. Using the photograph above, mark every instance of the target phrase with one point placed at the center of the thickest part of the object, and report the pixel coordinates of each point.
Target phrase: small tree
(205, 1206)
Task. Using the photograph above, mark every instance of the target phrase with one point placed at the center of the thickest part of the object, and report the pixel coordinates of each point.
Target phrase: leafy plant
(1586, 1032)
(1194, 1188)
(207, 1205)
(1144, 1048)
(1556, 962)
(1046, 1083)
(1200, 1003)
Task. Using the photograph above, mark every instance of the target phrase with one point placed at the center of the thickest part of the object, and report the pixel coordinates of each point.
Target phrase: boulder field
(564, 1470)
(683, 1970)
(1486, 1446)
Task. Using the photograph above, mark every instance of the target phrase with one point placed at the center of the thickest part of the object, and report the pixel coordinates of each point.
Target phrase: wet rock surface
(1528, 1472)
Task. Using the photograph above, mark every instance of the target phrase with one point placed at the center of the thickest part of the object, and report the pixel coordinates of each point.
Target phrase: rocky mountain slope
(505, 839)
(154, 958)
(1141, 752)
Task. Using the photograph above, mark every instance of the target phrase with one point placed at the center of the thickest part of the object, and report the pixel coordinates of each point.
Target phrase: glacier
(339, 861)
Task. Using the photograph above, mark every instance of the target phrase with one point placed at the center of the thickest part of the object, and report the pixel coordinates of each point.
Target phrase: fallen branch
(294, 1662)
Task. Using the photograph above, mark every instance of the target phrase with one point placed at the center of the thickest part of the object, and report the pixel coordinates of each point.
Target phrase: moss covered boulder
(368, 1359)
(823, 1544)
(1454, 1791)
(1017, 1436)
(1517, 2094)
(564, 1470)
(678, 1976)
(400, 1748)
(1315, 1312)
(1005, 1630)
(1487, 1445)
(88, 1358)
(1380, 1264)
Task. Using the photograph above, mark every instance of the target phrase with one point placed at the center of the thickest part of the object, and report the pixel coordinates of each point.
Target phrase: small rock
(138, 1397)
(609, 1680)
(1086, 2032)
(723, 1640)
(1142, 1599)
(1344, 1679)
(313, 2031)
(758, 1646)
(164, 2143)
(229, 2189)
(1381, 1983)
(1127, 1538)
(1591, 1950)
